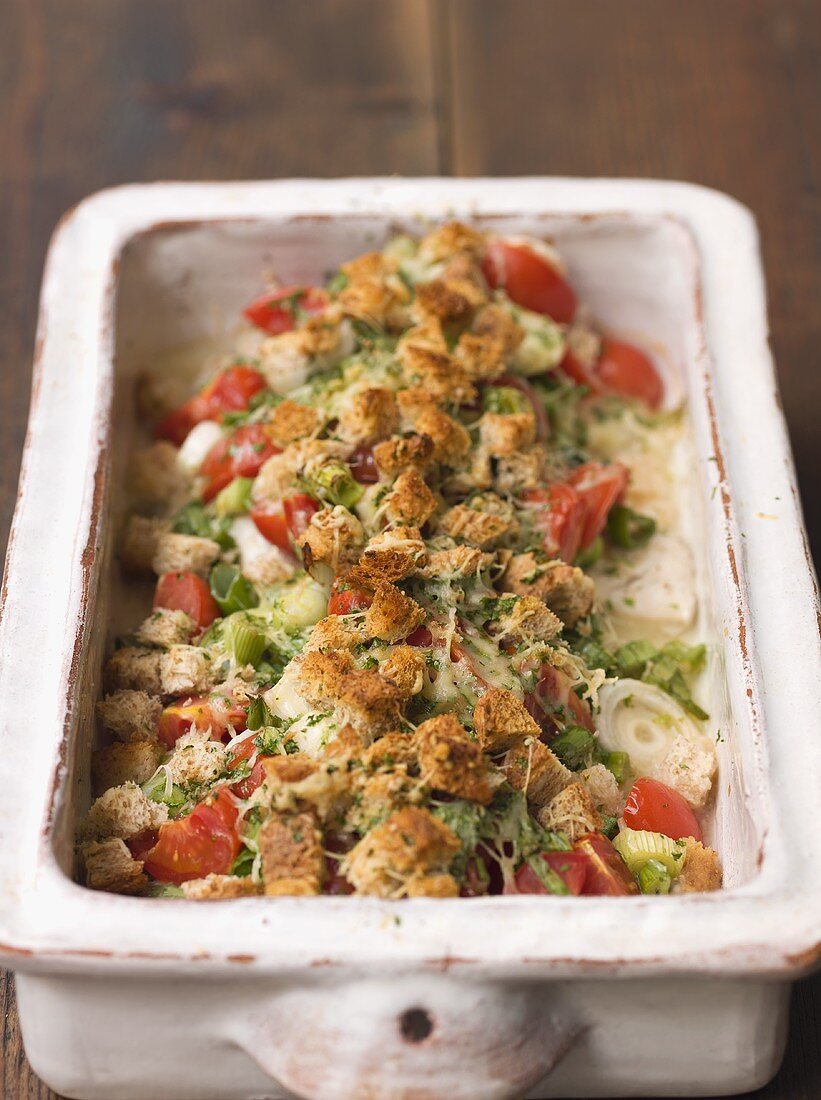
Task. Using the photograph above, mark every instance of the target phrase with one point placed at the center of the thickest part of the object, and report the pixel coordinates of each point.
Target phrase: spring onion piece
(637, 846)
(631, 660)
(628, 529)
(504, 399)
(258, 714)
(201, 520)
(667, 675)
(575, 747)
(335, 484)
(159, 788)
(654, 878)
(235, 498)
(231, 590)
(619, 764)
(245, 642)
(587, 558)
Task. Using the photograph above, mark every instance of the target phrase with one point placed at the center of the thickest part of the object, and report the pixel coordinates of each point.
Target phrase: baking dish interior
(183, 284)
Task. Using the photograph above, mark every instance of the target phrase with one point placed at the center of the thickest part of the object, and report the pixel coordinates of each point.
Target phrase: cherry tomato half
(554, 698)
(270, 521)
(529, 280)
(571, 867)
(244, 788)
(240, 454)
(178, 718)
(626, 370)
(345, 599)
(299, 510)
(658, 808)
(187, 592)
(559, 513)
(230, 391)
(598, 487)
(204, 842)
(607, 872)
(275, 312)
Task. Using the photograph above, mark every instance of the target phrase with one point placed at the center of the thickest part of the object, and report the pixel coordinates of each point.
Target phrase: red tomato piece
(626, 370)
(577, 372)
(203, 843)
(230, 391)
(607, 872)
(244, 788)
(560, 516)
(335, 881)
(571, 867)
(142, 842)
(529, 280)
(299, 509)
(240, 454)
(270, 521)
(516, 382)
(658, 808)
(554, 697)
(275, 312)
(345, 599)
(599, 487)
(178, 718)
(187, 592)
(363, 466)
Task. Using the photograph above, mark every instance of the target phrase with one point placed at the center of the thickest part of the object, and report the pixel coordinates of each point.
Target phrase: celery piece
(631, 660)
(235, 498)
(689, 658)
(335, 484)
(245, 642)
(504, 399)
(231, 590)
(258, 714)
(628, 529)
(619, 764)
(575, 747)
(637, 846)
(158, 789)
(666, 674)
(595, 655)
(587, 558)
(199, 519)
(654, 878)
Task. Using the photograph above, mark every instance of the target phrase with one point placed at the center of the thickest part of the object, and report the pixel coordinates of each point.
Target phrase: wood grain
(100, 92)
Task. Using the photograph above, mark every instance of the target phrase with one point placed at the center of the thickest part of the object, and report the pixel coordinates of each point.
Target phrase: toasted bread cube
(438, 376)
(405, 667)
(531, 767)
(277, 478)
(139, 543)
(451, 441)
(524, 619)
(164, 628)
(333, 633)
(482, 357)
(131, 715)
(334, 538)
(109, 865)
(452, 301)
(292, 857)
(155, 475)
(411, 402)
(702, 870)
(283, 361)
(501, 721)
(368, 417)
(184, 554)
(369, 703)
(185, 670)
(270, 567)
(132, 761)
(571, 812)
(449, 240)
(457, 561)
(496, 323)
(196, 759)
(391, 556)
(394, 750)
(377, 302)
(566, 590)
(506, 434)
(603, 789)
(438, 885)
(368, 266)
(409, 843)
(289, 421)
(392, 616)
(518, 472)
(481, 529)
(411, 503)
(688, 770)
(122, 812)
(219, 888)
(450, 761)
(403, 452)
(322, 675)
(135, 669)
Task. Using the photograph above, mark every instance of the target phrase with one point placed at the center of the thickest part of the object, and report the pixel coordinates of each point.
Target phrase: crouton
(346, 747)
(269, 567)
(185, 670)
(701, 871)
(122, 812)
(451, 441)
(449, 240)
(439, 376)
(158, 394)
(506, 433)
(131, 715)
(368, 417)
(321, 676)
(292, 768)
(369, 703)
(289, 421)
(391, 556)
(689, 770)
(109, 865)
(495, 322)
(323, 788)
(219, 888)
(164, 628)
(411, 502)
(155, 475)
(531, 767)
(449, 761)
(196, 759)
(411, 842)
(403, 452)
(566, 590)
(333, 538)
(603, 789)
(184, 554)
(136, 669)
(332, 633)
(516, 473)
(377, 303)
(405, 667)
(457, 561)
(139, 543)
(276, 478)
(369, 265)
(501, 721)
(411, 402)
(292, 857)
(378, 795)
(481, 529)
(452, 301)
(283, 361)
(481, 357)
(523, 619)
(394, 750)
(571, 811)
(392, 616)
(132, 761)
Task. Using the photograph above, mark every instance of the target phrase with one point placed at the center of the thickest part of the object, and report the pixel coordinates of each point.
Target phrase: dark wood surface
(99, 92)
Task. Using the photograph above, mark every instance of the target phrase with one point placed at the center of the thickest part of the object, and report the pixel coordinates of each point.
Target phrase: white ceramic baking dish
(330, 998)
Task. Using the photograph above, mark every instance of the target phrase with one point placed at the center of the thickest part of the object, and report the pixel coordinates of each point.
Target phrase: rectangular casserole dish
(335, 997)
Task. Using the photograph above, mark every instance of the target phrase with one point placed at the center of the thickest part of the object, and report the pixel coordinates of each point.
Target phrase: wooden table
(99, 92)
